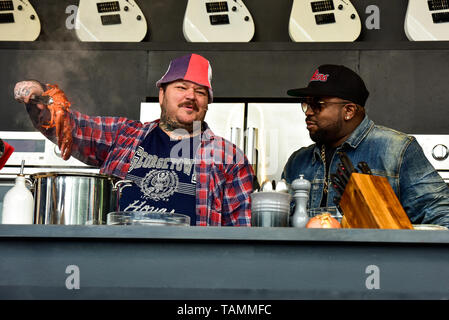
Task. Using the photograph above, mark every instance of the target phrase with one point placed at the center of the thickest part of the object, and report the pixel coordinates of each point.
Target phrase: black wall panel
(408, 89)
(255, 73)
(96, 82)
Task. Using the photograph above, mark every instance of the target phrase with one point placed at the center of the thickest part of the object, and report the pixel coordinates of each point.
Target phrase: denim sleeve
(423, 193)
(290, 171)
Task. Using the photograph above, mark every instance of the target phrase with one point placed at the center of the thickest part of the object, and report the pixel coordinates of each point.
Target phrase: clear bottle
(18, 203)
(301, 188)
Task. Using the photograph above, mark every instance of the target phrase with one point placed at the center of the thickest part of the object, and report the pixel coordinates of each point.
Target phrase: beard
(319, 136)
(179, 128)
(327, 134)
(172, 125)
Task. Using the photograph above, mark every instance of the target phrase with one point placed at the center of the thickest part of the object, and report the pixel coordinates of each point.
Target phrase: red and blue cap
(191, 67)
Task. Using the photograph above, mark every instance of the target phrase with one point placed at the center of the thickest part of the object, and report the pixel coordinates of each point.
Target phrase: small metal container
(270, 209)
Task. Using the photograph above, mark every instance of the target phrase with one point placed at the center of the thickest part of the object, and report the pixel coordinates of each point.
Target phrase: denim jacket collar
(360, 133)
(354, 139)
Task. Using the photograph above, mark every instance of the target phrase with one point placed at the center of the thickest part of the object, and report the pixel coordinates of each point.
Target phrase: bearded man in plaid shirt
(177, 163)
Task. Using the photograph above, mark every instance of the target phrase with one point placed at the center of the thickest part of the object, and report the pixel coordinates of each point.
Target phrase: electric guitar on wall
(120, 20)
(217, 21)
(324, 20)
(427, 20)
(18, 21)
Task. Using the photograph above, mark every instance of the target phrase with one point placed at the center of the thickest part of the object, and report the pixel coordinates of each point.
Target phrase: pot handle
(31, 183)
(117, 192)
(121, 184)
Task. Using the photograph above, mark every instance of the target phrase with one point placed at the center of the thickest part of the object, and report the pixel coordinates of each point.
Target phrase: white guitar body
(119, 20)
(427, 20)
(332, 20)
(217, 21)
(18, 21)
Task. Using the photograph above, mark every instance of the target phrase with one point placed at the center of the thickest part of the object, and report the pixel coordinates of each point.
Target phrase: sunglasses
(316, 104)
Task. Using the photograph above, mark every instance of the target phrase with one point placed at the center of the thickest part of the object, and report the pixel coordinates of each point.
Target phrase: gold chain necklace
(323, 157)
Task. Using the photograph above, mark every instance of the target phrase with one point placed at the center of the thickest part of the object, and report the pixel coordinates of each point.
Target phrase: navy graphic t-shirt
(164, 178)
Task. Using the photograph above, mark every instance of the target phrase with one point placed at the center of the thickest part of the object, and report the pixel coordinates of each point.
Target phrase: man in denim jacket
(334, 103)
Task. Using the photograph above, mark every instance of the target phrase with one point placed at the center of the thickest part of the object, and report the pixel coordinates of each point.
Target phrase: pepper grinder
(301, 188)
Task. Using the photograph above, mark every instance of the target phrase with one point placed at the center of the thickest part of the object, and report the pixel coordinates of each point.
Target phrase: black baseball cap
(331, 80)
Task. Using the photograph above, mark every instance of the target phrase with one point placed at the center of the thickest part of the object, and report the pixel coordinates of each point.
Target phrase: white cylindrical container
(18, 204)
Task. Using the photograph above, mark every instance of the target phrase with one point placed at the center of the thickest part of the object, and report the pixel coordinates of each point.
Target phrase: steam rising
(96, 79)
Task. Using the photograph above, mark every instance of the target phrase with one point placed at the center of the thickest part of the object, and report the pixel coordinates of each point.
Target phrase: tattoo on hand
(23, 91)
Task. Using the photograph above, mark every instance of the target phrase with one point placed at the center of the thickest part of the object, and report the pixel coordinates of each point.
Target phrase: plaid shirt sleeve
(92, 136)
(225, 182)
(236, 196)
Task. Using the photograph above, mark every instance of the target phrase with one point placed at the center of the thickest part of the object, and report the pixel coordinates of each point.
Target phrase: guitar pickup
(325, 18)
(218, 19)
(110, 19)
(6, 18)
(213, 7)
(440, 17)
(438, 5)
(112, 6)
(319, 6)
(6, 6)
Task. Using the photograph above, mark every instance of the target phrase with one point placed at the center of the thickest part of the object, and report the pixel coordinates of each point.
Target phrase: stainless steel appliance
(279, 129)
(436, 149)
(40, 155)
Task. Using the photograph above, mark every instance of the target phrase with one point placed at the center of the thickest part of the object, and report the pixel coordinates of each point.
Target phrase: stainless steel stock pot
(72, 198)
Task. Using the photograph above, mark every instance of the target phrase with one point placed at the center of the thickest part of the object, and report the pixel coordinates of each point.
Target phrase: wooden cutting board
(369, 202)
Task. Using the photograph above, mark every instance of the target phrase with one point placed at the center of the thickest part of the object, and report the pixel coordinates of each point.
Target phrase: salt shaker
(301, 188)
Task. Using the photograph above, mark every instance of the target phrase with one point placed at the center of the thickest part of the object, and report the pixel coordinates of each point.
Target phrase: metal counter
(197, 263)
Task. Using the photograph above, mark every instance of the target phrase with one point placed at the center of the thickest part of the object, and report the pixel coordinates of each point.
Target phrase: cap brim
(306, 92)
(315, 92)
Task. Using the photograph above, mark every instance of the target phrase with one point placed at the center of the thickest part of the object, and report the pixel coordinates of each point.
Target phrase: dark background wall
(407, 80)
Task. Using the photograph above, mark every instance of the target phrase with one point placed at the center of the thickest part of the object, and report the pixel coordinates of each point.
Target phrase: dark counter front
(203, 263)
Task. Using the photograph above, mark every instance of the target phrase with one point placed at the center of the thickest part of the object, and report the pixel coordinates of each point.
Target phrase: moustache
(188, 103)
(309, 119)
